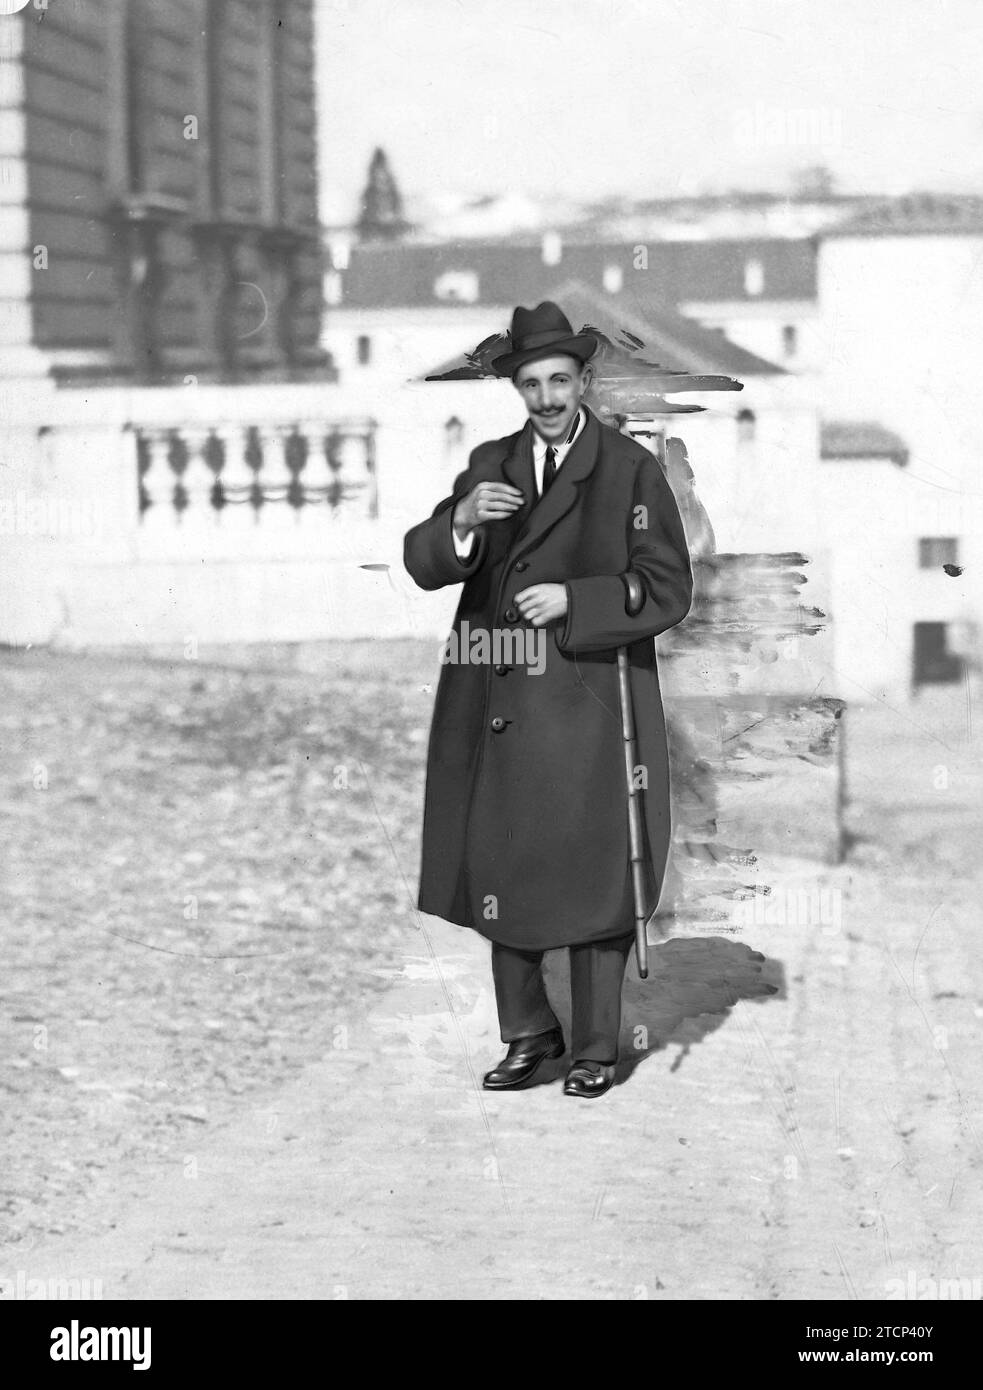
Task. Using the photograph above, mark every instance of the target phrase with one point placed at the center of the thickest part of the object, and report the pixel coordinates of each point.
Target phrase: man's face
(552, 389)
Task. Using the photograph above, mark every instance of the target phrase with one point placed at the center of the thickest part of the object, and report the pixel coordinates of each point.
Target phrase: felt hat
(541, 332)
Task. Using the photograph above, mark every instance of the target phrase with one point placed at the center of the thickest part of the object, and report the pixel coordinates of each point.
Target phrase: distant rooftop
(861, 439)
(807, 208)
(915, 214)
(507, 272)
(662, 336)
(674, 341)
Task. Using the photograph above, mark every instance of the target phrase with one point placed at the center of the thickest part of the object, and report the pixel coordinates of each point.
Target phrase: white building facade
(901, 303)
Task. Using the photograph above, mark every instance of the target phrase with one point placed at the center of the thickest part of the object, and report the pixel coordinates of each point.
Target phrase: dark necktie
(549, 468)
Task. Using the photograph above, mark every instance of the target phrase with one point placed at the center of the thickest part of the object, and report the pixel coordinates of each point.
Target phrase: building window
(790, 340)
(363, 348)
(746, 424)
(333, 288)
(754, 278)
(932, 661)
(340, 248)
(552, 248)
(936, 551)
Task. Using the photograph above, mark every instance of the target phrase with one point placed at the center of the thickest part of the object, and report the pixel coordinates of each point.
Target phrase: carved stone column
(220, 252)
(137, 224)
(284, 249)
(279, 247)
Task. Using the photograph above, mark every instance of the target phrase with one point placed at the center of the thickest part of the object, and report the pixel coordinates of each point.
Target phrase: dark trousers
(596, 972)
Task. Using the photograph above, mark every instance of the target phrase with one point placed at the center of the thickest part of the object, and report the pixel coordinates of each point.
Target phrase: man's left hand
(542, 603)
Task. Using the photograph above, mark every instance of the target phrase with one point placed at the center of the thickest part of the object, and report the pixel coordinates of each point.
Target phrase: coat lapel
(518, 469)
(576, 467)
(517, 464)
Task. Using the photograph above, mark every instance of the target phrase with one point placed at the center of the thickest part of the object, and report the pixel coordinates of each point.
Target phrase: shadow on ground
(692, 986)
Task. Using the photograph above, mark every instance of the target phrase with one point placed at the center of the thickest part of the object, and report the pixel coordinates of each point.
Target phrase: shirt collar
(540, 445)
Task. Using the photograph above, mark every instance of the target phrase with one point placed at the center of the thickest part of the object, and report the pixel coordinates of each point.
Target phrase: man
(569, 529)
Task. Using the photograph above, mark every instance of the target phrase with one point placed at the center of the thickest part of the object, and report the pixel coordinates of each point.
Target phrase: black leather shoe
(589, 1079)
(523, 1059)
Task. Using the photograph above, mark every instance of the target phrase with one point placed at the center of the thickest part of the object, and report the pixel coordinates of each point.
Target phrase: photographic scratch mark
(747, 728)
(266, 309)
(895, 709)
(784, 1109)
(918, 947)
(888, 1259)
(195, 955)
(964, 1114)
(844, 1271)
(615, 714)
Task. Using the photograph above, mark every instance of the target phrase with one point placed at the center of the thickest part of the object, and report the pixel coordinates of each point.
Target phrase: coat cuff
(596, 619)
(431, 557)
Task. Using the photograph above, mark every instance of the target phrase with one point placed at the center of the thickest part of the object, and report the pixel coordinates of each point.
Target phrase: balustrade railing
(327, 466)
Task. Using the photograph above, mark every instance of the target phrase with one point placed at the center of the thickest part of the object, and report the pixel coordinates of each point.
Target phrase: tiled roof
(854, 439)
(662, 336)
(916, 214)
(676, 342)
(509, 273)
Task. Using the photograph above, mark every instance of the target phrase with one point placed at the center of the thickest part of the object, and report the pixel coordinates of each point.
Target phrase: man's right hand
(486, 502)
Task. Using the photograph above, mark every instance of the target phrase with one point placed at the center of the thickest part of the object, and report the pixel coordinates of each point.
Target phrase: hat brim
(580, 345)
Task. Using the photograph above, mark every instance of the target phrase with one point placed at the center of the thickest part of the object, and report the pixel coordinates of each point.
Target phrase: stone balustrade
(205, 512)
(321, 465)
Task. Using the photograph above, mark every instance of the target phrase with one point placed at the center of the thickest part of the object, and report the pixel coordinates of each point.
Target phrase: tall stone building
(178, 464)
(159, 190)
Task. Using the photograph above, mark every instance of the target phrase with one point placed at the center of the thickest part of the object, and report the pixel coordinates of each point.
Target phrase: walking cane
(634, 599)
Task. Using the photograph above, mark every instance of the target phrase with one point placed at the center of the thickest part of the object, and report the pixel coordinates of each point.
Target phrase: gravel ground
(800, 1122)
(187, 856)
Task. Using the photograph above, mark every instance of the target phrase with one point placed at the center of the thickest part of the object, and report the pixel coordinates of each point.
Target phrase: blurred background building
(162, 158)
(178, 457)
(215, 424)
(850, 321)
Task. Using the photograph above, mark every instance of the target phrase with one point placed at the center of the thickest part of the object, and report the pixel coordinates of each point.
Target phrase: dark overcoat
(525, 833)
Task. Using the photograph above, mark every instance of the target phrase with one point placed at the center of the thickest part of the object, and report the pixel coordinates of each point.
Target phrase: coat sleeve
(658, 554)
(428, 549)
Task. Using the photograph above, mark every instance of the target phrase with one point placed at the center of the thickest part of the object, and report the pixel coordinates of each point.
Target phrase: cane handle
(634, 593)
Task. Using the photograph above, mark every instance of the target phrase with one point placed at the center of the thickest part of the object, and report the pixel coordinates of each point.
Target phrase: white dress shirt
(539, 447)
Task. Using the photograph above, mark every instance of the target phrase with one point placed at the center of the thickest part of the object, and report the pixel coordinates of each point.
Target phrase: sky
(585, 99)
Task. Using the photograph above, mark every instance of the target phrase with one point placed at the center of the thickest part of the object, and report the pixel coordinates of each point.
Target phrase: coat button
(501, 670)
(521, 565)
(510, 615)
(498, 724)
